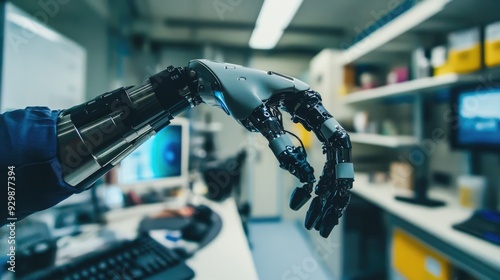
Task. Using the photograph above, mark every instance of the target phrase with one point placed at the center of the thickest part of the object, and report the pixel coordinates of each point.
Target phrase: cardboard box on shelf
(401, 175)
(349, 83)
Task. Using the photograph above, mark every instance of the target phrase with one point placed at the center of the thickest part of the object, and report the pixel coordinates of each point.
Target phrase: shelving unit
(423, 13)
(425, 25)
(419, 23)
(415, 86)
(383, 140)
(411, 18)
(420, 86)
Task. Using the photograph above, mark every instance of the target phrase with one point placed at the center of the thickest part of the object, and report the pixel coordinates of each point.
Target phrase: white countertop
(228, 256)
(436, 221)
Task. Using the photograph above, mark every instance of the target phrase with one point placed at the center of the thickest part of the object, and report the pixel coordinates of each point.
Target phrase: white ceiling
(317, 24)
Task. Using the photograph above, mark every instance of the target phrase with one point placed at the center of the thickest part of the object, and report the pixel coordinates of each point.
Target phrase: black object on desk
(484, 224)
(142, 258)
(202, 227)
(420, 195)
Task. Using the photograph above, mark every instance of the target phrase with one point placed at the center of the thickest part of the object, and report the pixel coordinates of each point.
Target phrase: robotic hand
(95, 136)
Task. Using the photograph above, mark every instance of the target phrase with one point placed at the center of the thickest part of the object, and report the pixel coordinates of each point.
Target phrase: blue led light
(220, 98)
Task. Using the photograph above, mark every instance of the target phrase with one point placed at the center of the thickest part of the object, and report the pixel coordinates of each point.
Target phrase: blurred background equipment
(223, 176)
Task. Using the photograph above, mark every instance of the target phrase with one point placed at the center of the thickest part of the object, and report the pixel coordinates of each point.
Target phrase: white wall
(80, 23)
(56, 78)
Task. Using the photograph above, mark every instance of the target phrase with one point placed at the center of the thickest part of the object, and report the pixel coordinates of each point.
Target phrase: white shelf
(399, 25)
(415, 86)
(383, 140)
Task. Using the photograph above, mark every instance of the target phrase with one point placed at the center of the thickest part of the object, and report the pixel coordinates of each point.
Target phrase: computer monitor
(475, 123)
(160, 162)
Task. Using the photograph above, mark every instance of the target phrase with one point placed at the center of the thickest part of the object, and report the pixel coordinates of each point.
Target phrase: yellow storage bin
(492, 53)
(464, 54)
(492, 45)
(465, 61)
(443, 70)
(414, 260)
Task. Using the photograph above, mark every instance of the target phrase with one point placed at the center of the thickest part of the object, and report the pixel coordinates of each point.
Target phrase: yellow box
(492, 53)
(414, 260)
(492, 44)
(464, 54)
(443, 69)
(465, 61)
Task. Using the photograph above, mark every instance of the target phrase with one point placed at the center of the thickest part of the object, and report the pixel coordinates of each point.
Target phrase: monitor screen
(158, 161)
(477, 119)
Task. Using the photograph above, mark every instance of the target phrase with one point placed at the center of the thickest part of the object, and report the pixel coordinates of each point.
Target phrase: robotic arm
(95, 136)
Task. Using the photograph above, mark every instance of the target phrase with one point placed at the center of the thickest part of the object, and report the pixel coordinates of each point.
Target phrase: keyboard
(484, 224)
(142, 258)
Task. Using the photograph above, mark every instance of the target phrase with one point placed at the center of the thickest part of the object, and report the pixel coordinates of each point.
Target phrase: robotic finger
(337, 178)
(267, 120)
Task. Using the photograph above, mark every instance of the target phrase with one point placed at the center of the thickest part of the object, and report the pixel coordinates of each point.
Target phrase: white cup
(471, 191)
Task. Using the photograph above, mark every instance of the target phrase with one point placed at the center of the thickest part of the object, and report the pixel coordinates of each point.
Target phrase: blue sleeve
(28, 147)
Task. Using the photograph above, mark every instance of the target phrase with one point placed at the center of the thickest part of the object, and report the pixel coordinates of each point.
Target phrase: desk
(228, 256)
(433, 226)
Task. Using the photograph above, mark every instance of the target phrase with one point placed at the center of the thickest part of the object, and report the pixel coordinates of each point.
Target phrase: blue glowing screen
(479, 118)
(159, 157)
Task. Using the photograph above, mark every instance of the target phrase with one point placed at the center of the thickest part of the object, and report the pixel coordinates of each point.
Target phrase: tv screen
(477, 119)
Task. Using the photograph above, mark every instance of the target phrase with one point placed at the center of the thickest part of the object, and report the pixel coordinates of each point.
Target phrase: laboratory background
(414, 83)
